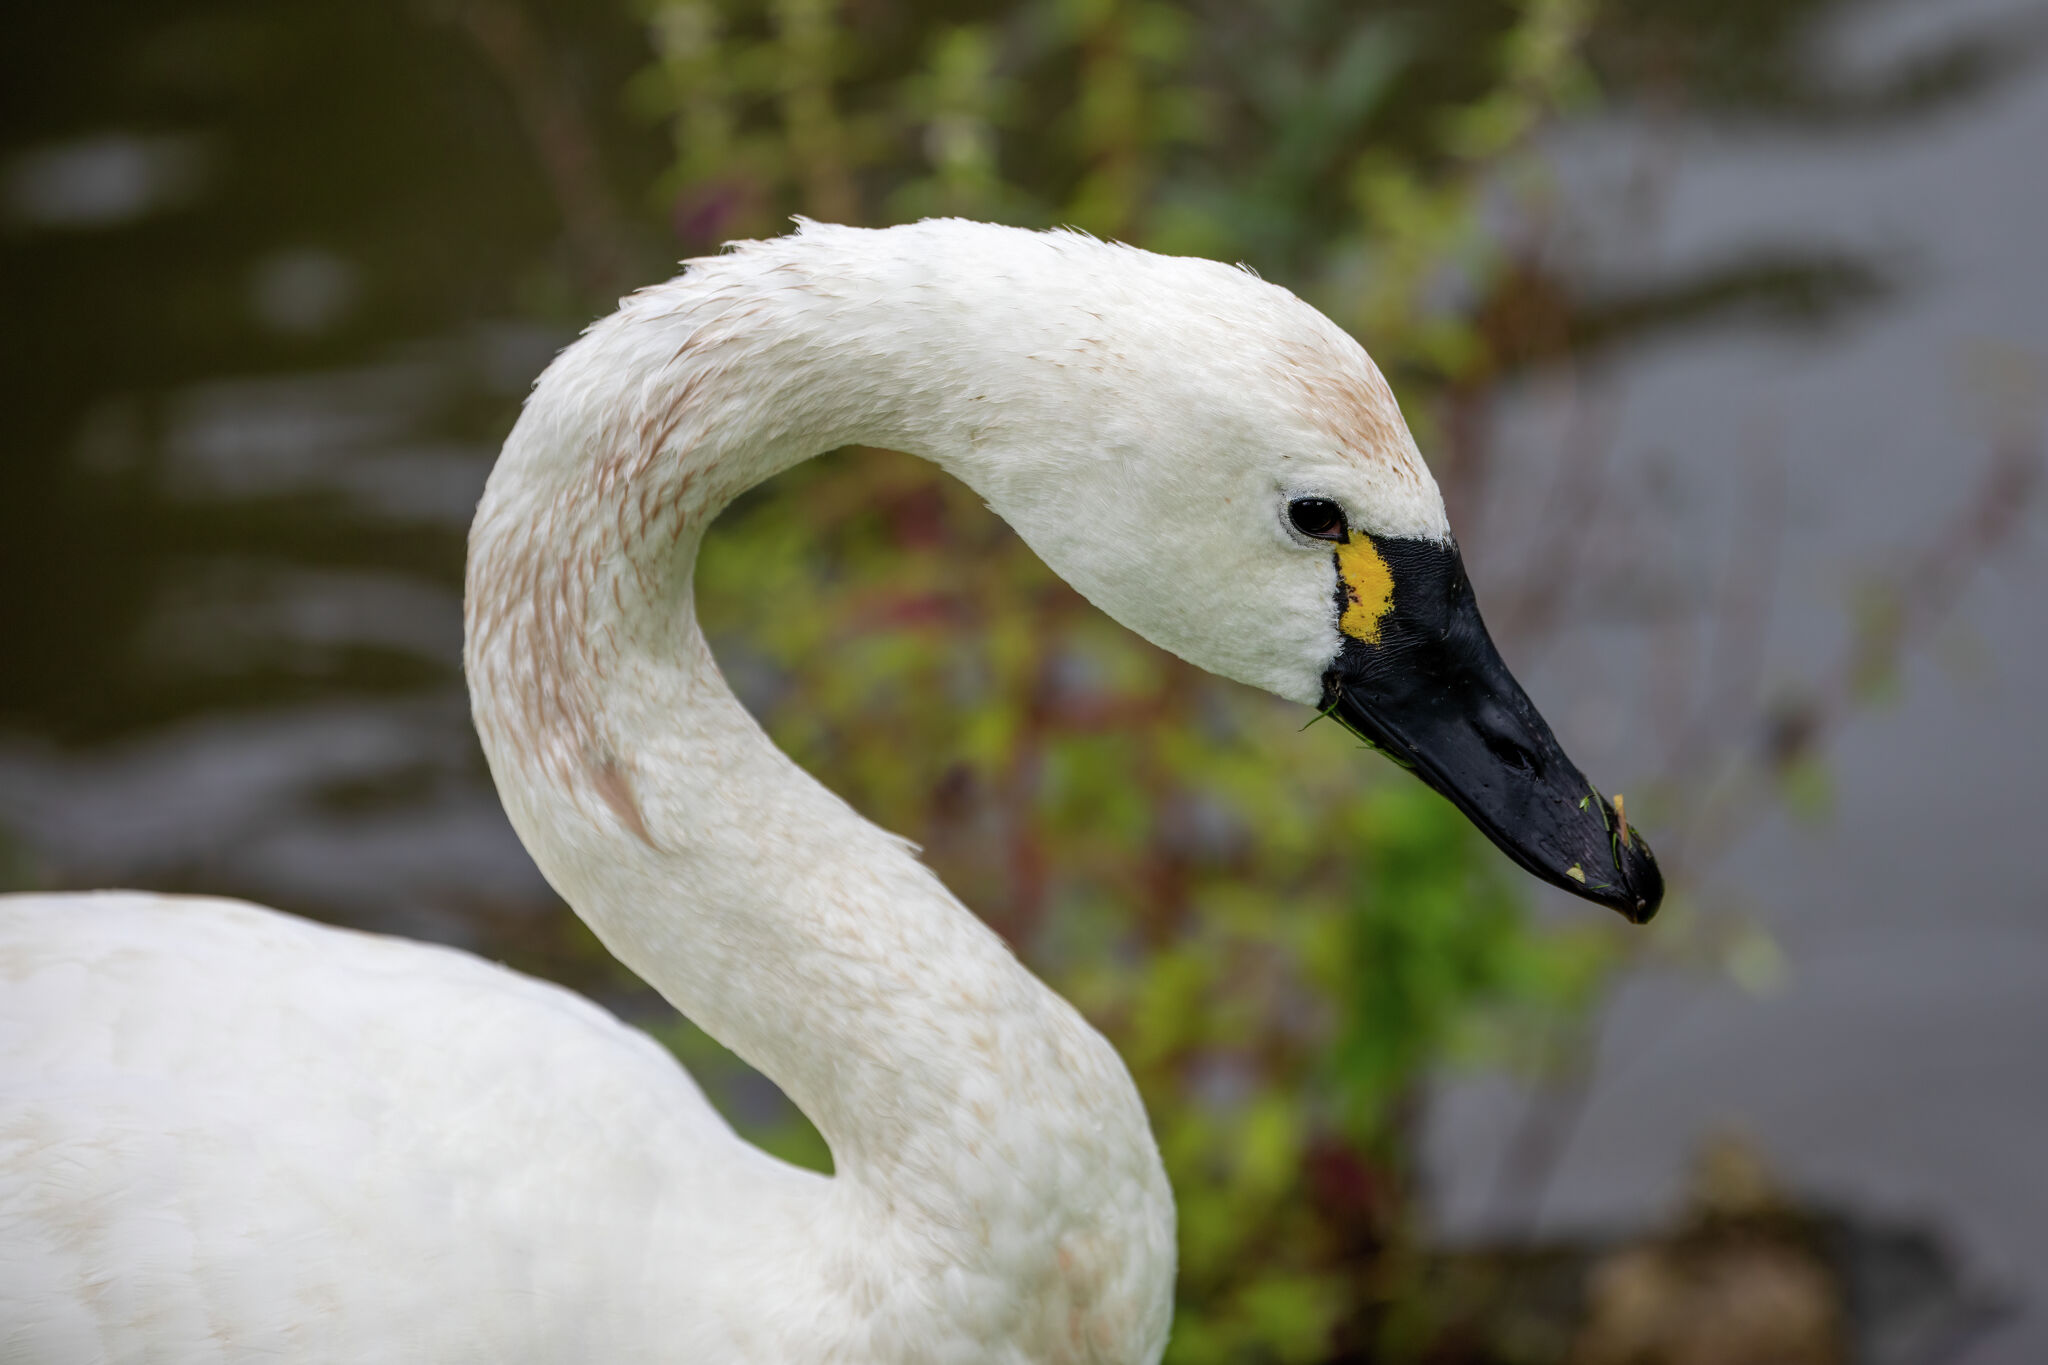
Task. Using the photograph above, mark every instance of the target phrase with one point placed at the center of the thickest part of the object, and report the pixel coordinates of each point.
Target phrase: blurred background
(1724, 324)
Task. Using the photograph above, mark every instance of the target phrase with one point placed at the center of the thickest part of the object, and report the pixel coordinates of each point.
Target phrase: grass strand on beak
(1329, 711)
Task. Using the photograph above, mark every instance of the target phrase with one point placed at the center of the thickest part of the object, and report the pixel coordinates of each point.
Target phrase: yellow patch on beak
(1368, 588)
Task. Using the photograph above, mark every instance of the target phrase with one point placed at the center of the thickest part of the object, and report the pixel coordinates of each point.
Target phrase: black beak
(1432, 693)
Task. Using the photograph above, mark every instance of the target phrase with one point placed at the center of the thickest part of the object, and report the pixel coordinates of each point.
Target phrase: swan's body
(226, 1134)
(206, 1217)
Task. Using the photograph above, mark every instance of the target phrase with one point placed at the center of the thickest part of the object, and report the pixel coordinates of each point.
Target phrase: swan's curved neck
(953, 1088)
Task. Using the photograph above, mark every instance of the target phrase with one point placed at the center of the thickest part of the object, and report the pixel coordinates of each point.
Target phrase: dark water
(1895, 1061)
(275, 278)
(272, 275)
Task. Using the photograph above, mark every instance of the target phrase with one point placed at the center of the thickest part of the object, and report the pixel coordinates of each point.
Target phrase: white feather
(228, 1135)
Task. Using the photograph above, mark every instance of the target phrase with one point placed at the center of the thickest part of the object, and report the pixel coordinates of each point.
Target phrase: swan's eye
(1317, 517)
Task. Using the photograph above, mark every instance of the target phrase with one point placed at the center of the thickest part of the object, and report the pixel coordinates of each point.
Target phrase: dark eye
(1318, 517)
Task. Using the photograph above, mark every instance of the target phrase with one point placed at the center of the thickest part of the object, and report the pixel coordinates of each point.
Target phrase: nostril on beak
(1511, 753)
(1502, 737)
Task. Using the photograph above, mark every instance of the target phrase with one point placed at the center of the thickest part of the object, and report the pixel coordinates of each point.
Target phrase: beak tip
(1644, 880)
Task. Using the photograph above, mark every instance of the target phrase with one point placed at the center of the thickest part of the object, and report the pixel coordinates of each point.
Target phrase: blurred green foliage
(1282, 935)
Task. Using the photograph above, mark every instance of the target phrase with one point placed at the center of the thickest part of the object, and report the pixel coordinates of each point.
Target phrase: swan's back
(227, 1133)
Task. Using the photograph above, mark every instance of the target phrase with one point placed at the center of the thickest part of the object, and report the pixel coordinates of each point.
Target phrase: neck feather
(954, 1089)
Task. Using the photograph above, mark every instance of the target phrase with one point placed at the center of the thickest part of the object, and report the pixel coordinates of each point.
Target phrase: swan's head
(1223, 470)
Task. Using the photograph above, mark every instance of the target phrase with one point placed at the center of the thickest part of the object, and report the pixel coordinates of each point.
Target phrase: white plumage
(249, 1136)
(226, 1134)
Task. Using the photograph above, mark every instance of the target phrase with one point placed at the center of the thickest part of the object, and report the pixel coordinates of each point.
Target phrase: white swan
(227, 1134)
